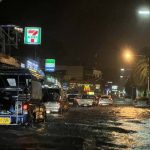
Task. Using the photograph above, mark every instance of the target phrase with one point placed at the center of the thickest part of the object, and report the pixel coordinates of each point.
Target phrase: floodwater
(85, 128)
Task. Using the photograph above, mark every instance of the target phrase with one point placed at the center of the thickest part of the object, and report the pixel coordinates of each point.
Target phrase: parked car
(141, 102)
(105, 100)
(71, 97)
(53, 101)
(20, 97)
(84, 100)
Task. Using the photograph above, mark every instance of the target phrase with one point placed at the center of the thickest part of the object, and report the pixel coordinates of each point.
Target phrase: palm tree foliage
(140, 73)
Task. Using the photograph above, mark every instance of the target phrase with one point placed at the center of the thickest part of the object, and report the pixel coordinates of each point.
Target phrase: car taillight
(25, 106)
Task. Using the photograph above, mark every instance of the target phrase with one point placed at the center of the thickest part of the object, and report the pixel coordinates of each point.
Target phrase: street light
(129, 56)
(144, 12)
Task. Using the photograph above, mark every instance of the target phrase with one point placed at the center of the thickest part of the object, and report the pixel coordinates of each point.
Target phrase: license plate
(5, 121)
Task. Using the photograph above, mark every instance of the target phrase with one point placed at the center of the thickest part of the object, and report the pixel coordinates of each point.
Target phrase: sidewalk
(122, 101)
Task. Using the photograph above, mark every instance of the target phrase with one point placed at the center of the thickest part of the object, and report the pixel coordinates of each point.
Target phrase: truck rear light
(25, 106)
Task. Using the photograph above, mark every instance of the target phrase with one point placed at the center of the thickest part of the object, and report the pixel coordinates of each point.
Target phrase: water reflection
(134, 119)
(132, 113)
(114, 128)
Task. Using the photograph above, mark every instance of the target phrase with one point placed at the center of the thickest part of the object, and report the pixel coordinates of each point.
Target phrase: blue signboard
(50, 65)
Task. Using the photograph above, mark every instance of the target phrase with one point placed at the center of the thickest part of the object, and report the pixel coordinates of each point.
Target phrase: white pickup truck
(85, 100)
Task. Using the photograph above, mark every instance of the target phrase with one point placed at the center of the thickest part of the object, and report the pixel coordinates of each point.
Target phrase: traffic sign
(32, 35)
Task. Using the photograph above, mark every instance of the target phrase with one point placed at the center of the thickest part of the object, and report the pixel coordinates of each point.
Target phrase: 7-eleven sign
(32, 35)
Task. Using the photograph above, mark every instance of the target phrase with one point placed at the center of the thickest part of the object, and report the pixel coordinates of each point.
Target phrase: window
(11, 81)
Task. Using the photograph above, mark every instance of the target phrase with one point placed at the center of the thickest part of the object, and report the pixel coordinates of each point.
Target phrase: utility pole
(148, 79)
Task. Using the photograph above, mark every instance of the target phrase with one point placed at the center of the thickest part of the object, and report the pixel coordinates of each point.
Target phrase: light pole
(128, 54)
(148, 71)
(144, 13)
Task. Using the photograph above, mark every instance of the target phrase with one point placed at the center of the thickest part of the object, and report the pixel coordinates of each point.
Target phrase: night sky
(81, 32)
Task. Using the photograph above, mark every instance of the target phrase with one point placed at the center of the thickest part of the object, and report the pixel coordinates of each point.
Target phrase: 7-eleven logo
(32, 35)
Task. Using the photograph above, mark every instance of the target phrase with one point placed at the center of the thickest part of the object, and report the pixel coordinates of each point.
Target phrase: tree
(140, 74)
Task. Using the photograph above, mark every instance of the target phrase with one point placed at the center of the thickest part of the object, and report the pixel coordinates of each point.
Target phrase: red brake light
(25, 107)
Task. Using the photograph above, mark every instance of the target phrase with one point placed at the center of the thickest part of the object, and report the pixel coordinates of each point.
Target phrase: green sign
(32, 35)
(50, 61)
(50, 65)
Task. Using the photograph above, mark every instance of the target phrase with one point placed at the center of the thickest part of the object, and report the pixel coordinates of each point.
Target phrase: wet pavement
(84, 128)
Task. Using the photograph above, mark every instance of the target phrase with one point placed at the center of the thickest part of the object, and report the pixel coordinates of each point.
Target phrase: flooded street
(85, 128)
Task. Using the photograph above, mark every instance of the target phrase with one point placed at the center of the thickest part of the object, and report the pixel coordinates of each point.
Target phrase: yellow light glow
(128, 55)
(90, 93)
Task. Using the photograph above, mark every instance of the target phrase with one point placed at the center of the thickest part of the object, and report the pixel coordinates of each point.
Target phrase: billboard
(32, 35)
(114, 88)
(50, 65)
(33, 65)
